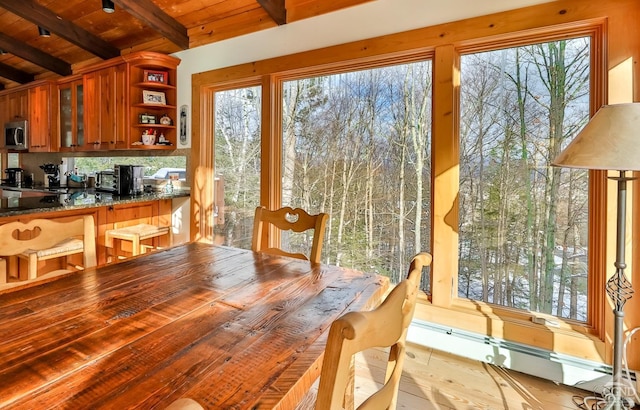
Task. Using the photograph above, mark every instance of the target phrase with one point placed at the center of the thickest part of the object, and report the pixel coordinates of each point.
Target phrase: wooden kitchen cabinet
(4, 112)
(40, 118)
(71, 114)
(108, 106)
(34, 103)
(13, 105)
(105, 108)
(18, 104)
(101, 107)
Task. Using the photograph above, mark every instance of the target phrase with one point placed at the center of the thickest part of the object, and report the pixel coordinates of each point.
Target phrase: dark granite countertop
(35, 200)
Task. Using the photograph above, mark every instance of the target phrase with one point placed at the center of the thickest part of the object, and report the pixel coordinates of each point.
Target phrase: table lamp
(611, 141)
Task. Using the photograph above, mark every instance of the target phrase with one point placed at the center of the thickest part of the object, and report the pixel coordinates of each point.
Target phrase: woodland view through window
(237, 162)
(356, 145)
(523, 223)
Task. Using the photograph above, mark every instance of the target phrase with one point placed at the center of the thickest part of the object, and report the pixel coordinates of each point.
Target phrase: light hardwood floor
(436, 380)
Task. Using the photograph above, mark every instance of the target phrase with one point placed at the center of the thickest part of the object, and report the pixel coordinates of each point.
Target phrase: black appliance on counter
(124, 180)
(51, 175)
(14, 177)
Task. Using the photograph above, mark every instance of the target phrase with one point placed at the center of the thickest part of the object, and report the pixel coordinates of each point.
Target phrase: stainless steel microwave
(16, 135)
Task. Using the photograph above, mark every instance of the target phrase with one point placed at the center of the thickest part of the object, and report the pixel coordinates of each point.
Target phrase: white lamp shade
(610, 141)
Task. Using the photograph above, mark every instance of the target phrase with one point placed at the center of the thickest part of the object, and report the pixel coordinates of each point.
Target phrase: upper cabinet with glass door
(71, 94)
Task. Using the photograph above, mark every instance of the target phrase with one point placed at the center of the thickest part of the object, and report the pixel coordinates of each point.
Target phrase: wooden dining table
(229, 328)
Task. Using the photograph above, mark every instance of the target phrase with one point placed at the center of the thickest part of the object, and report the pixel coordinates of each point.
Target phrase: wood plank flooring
(436, 380)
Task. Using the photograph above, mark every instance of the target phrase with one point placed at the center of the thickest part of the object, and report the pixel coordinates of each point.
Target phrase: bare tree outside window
(357, 145)
(523, 223)
(237, 164)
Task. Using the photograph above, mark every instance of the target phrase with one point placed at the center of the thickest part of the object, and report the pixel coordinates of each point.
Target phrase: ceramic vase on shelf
(148, 137)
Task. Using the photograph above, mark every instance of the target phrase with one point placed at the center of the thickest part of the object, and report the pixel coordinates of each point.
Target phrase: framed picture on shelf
(147, 119)
(153, 97)
(160, 77)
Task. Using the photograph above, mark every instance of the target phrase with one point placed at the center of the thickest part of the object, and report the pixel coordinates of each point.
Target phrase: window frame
(597, 179)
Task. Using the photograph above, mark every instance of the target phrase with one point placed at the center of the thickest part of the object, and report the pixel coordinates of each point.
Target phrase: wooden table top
(227, 327)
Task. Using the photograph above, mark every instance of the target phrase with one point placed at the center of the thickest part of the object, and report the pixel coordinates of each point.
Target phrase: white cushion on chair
(67, 246)
(142, 230)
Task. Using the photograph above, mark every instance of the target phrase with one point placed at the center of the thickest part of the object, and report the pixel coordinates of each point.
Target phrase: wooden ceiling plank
(230, 27)
(41, 16)
(32, 54)
(276, 10)
(16, 75)
(303, 9)
(157, 19)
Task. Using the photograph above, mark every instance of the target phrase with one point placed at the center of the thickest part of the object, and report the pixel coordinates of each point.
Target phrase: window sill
(550, 333)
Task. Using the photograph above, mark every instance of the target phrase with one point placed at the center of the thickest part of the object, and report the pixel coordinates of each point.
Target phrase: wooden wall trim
(445, 175)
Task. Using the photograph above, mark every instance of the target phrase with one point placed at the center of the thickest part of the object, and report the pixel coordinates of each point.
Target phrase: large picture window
(523, 223)
(356, 145)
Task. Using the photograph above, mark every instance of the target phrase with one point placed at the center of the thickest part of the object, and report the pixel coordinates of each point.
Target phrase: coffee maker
(51, 175)
(14, 177)
(128, 179)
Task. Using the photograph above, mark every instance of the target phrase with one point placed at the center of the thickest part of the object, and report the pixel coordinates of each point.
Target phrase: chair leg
(4, 271)
(135, 246)
(13, 268)
(33, 267)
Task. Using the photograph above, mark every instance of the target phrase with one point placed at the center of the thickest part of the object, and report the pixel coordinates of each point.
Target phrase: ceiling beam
(150, 14)
(34, 55)
(275, 9)
(14, 74)
(45, 18)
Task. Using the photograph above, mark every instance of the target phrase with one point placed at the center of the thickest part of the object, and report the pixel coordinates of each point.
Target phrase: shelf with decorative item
(153, 101)
(155, 126)
(154, 106)
(157, 86)
(153, 135)
(150, 119)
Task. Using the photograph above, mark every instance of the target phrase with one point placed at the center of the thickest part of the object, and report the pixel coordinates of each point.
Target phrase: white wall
(368, 20)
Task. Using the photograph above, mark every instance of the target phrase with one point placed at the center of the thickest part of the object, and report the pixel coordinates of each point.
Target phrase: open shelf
(157, 86)
(140, 68)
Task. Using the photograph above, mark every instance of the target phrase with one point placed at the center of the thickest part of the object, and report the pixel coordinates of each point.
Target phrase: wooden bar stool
(135, 234)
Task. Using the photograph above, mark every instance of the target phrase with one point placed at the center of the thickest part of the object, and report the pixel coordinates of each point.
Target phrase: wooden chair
(43, 239)
(289, 219)
(134, 234)
(354, 332)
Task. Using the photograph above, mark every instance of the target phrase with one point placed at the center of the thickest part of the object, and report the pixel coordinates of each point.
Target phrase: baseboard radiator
(557, 367)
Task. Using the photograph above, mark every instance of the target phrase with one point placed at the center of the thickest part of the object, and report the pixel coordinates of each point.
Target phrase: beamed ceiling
(82, 33)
